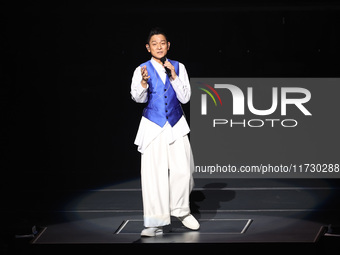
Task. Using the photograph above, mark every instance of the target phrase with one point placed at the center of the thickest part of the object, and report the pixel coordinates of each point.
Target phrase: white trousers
(166, 174)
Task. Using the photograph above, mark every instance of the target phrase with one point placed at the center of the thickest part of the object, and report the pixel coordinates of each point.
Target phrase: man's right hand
(145, 77)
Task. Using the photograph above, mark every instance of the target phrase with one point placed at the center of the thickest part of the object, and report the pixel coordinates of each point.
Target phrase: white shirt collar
(159, 69)
(155, 63)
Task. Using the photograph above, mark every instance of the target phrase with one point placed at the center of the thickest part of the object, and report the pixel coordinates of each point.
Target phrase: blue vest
(163, 104)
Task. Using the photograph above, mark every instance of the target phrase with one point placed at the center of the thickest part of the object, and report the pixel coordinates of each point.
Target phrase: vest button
(166, 117)
(165, 96)
(166, 103)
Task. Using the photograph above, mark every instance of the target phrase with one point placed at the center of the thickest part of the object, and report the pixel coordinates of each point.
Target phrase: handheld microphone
(167, 70)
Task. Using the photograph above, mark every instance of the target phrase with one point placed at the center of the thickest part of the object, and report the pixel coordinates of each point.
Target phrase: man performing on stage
(166, 157)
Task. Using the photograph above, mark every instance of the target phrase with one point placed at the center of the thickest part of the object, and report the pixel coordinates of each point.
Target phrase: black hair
(156, 31)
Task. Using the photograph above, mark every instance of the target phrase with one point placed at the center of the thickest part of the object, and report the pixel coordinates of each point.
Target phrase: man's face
(158, 46)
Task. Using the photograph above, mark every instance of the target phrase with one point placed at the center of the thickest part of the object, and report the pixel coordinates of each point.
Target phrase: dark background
(68, 121)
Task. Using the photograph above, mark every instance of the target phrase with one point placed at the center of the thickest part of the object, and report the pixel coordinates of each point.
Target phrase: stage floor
(229, 211)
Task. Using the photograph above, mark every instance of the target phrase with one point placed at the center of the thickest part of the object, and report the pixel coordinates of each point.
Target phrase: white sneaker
(190, 222)
(152, 231)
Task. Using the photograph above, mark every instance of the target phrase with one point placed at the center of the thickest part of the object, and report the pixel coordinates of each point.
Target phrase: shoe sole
(155, 234)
